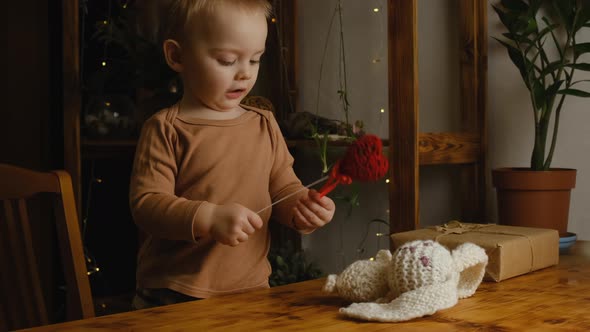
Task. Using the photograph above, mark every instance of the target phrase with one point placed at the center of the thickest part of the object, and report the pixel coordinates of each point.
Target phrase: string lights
(110, 30)
(377, 57)
(379, 234)
(104, 63)
(91, 264)
(377, 52)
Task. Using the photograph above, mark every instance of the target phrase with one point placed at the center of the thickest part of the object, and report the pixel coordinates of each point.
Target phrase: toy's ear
(172, 54)
(470, 261)
(412, 304)
(383, 255)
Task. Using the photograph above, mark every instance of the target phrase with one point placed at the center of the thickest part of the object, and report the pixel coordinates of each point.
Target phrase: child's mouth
(234, 94)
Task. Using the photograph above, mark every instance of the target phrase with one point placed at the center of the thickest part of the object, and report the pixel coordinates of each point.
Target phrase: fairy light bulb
(104, 63)
(273, 20)
(386, 180)
(382, 110)
(376, 9)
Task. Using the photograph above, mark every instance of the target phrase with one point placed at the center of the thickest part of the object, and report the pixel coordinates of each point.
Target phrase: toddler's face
(221, 57)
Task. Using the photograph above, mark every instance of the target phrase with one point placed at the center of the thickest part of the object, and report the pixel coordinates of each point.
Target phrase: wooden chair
(23, 304)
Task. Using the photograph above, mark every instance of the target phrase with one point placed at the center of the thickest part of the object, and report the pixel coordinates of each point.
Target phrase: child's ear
(172, 54)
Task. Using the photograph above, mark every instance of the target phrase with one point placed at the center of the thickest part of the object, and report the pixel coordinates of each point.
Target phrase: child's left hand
(312, 212)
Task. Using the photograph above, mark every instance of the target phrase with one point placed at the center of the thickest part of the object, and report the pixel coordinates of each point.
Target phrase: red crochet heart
(364, 159)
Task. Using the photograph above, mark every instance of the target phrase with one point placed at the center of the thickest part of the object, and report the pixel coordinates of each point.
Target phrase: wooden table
(556, 298)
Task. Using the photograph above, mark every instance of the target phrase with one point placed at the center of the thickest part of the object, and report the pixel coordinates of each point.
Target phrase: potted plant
(542, 42)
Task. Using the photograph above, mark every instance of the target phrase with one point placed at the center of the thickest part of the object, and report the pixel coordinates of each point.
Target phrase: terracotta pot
(534, 198)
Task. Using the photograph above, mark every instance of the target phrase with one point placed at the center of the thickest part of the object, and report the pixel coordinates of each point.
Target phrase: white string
(293, 193)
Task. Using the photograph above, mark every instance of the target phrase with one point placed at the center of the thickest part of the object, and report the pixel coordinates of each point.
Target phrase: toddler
(205, 165)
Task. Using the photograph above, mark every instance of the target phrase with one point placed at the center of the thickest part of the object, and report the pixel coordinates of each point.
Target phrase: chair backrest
(23, 304)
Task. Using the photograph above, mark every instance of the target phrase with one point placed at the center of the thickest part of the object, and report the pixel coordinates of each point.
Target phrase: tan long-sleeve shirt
(181, 164)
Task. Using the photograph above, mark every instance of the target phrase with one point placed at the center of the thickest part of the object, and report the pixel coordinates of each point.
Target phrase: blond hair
(167, 19)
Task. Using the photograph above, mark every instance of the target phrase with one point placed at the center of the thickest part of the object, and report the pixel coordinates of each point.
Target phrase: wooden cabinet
(408, 148)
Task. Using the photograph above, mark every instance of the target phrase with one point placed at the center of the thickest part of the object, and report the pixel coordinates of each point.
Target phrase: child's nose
(244, 72)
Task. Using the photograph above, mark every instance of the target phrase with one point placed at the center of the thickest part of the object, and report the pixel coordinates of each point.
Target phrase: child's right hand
(233, 224)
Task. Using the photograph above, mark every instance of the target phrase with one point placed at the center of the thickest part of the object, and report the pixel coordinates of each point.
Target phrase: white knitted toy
(362, 281)
(422, 276)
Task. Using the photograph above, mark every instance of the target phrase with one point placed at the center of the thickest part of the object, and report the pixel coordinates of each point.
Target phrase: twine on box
(457, 227)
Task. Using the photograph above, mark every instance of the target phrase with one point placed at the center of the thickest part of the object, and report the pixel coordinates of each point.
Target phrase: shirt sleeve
(154, 206)
(283, 180)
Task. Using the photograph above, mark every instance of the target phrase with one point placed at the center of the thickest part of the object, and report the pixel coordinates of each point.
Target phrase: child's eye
(225, 62)
(254, 62)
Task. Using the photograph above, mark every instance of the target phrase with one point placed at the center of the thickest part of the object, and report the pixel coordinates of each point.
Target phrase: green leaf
(580, 66)
(515, 5)
(503, 17)
(552, 91)
(583, 18)
(534, 6)
(580, 81)
(555, 41)
(518, 38)
(509, 21)
(550, 68)
(539, 94)
(531, 26)
(549, 28)
(574, 92)
(281, 261)
(539, 44)
(568, 75)
(531, 67)
(580, 49)
(565, 10)
(518, 17)
(517, 59)
(290, 265)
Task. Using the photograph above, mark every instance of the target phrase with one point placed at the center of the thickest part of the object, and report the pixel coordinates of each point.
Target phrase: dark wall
(31, 114)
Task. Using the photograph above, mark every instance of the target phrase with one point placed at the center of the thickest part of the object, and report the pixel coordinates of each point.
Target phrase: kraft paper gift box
(511, 250)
